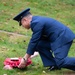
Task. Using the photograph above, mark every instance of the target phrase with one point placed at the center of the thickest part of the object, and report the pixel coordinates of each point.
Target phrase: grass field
(14, 39)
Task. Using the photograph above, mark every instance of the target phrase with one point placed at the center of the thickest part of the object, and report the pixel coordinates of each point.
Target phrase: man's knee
(60, 62)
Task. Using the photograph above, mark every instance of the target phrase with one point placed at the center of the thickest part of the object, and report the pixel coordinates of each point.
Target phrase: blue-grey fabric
(55, 32)
(51, 37)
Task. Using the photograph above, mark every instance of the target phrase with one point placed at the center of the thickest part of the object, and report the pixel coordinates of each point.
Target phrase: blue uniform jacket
(57, 33)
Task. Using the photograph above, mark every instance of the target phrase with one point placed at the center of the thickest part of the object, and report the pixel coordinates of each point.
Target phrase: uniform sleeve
(37, 32)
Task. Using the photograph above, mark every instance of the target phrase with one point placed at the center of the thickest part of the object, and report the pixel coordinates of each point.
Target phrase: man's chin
(27, 28)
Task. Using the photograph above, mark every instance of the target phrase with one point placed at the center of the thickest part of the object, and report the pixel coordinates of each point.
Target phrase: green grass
(13, 45)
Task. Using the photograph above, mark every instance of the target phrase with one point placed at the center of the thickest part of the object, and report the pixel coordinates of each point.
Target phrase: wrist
(25, 60)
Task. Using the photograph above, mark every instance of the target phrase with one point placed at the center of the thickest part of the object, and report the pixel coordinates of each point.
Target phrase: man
(50, 38)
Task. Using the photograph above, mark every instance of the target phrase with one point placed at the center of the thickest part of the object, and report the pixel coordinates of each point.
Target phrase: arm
(37, 32)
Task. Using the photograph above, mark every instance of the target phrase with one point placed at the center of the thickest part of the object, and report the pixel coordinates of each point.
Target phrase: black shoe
(52, 68)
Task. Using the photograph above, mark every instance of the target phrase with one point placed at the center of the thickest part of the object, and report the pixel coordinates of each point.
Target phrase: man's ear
(25, 19)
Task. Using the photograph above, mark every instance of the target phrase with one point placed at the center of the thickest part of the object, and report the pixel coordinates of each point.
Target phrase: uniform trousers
(58, 57)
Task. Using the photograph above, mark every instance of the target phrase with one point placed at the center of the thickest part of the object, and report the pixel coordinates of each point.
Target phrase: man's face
(25, 23)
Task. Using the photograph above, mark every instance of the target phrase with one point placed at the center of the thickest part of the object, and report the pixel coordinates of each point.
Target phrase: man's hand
(22, 63)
